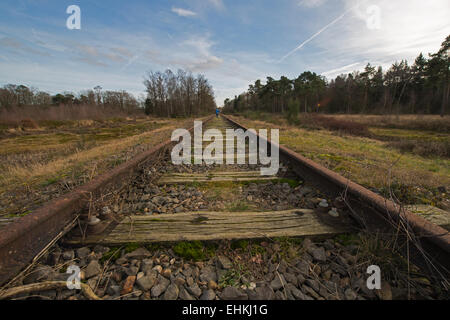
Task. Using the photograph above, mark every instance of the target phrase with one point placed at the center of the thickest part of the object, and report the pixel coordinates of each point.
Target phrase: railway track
(223, 232)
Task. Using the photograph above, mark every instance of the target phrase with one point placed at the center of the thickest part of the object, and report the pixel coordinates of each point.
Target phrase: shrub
(423, 148)
(344, 126)
(29, 124)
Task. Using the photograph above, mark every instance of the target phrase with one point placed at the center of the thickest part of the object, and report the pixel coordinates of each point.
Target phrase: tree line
(423, 87)
(172, 94)
(12, 96)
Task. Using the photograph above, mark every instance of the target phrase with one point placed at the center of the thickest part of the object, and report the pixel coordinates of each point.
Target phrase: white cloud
(342, 70)
(183, 12)
(200, 58)
(18, 46)
(407, 27)
(122, 51)
(311, 3)
(217, 3)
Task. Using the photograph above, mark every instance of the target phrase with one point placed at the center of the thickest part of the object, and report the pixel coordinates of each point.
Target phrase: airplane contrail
(316, 34)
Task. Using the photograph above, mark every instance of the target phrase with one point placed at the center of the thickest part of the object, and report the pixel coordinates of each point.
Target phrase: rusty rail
(377, 213)
(23, 239)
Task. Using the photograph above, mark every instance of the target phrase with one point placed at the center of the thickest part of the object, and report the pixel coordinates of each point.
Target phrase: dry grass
(35, 170)
(413, 122)
(64, 112)
(334, 124)
(32, 173)
(369, 162)
(423, 148)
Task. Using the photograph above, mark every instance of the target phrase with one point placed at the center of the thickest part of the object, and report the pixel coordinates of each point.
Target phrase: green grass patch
(347, 239)
(194, 250)
(232, 278)
(238, 206)
(291, 182)
(50, 181)
(112, 255)
(132, 247)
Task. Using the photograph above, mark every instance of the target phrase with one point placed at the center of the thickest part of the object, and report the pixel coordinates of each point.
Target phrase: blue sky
(231, 42)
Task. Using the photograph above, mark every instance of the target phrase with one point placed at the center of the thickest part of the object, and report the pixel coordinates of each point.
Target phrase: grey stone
(82, 253)
(308, 290)
(189, 281)
(208, 274)
(121, 261)
(172, 292)
(334, 213)
(100, 249)
(291, 278)
(232, 293)
(146, 282)
(301, 279)
(313, 284)
(184, 295)
(323, 203)
(194, 290)
(50, 294)
(350, 294)
(113, 290)
(132, 270)
(303, 267)
(296, 293)
(64, 294)
(261, 293)
(179, 209)
(187, 272)
(159, 288)
(318, 254)
(277, 283)
(179, 280)
(279, 296)
(208, 295)
(147, 265)
(139, 254)
(68, 255)
(92, 269)
(224, 262)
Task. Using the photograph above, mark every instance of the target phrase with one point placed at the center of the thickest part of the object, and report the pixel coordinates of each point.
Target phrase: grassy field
(40, 163)
(370, 150)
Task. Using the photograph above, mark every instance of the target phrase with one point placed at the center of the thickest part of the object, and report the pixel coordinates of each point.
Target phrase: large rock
(232, 293)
